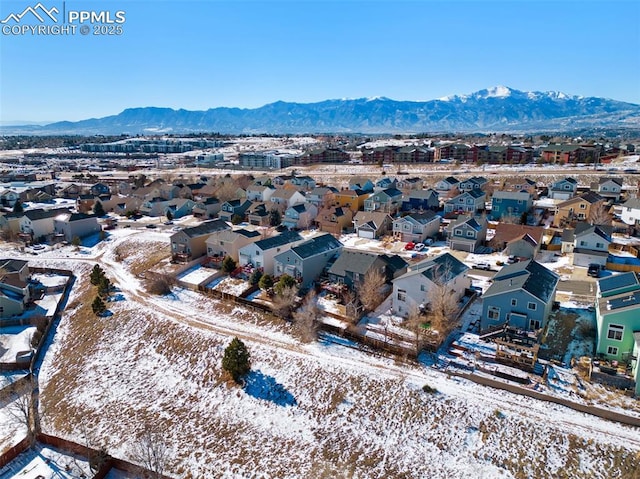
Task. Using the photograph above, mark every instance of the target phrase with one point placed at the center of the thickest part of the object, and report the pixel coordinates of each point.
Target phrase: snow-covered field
(318, 410)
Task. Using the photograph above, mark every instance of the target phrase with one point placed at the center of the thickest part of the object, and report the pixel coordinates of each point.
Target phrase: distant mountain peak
(499, 91)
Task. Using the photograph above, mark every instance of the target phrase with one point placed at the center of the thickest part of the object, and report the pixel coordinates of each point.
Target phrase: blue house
(510, 204)
(417, 200)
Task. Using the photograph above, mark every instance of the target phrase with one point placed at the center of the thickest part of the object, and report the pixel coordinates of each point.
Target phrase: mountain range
(499, 108)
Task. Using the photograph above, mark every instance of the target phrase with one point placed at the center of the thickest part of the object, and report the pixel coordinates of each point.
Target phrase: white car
(419, 247)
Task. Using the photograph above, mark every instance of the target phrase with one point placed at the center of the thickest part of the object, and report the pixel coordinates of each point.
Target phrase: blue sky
(203, 54)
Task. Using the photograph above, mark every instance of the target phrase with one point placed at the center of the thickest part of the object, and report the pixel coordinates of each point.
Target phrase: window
(470, 234)
(583, 206)
(615, 332)
(514, 302)
(612, 350)
(498, 200)
(534, 324)
(493, 313)
(423, 287)
(402, 295)
(599, 245)
(583, 243)
(458, 232)
(532, 306)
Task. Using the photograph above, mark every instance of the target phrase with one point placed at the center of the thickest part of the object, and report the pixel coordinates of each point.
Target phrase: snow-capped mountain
(498, 108)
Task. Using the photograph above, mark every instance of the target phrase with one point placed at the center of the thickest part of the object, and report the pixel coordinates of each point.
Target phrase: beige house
(334, 219)
(227, 242)
(578, 208)
(190, 243)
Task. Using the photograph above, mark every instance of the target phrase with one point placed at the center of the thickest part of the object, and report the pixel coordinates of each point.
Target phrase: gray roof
(39, 214)
(601, 230)
(624, 301)
(283, 238)
(462, 219)
(205, 228)
(12, 265)
(423, 218)
(633, 203)
(355, 261)
(318, 245)
(568, 235)
(512, 195)
(439, 270)
(528, 275)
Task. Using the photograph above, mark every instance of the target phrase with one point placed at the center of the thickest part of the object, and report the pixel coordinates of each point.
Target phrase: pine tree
(76, 242)
(228, 264)
(104, 286)
(283, 283)
(17, 207)
(169, 215)
(265, 282)
(98, 306)
(96, 274)
(275, 218)
(236, 360)
(255, 276)
(98, 209)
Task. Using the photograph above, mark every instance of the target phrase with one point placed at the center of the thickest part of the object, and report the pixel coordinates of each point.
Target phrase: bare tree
(284, 303)
(370, 289)
(443, 304)
(23, 410)
(152, 453)
(415, 323)
(453, 192)
(352, 306)
(306, 318)
(600, 215)
(226, 189)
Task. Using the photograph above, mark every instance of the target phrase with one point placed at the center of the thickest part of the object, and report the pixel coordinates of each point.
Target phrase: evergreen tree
(236, 219)
(104, 286)
(265, 282)
(98, 209)
(236, 359)
(96, 274)
(169, 215)
(17, 207)
(98, 306)
(284, 282)
(228, 264)
(76, 242)
(275, 218)
(254, 279)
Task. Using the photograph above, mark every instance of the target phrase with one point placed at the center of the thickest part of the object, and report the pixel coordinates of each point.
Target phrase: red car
(409, 246)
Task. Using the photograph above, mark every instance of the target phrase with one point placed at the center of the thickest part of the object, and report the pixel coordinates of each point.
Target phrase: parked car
(484, 266)
(151, 226)
(594, 270)
(168, 222)
(513, 259)
(419, 247)
(409, 246)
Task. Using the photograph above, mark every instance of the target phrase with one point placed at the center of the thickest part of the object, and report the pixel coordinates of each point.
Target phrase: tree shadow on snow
(265, 387)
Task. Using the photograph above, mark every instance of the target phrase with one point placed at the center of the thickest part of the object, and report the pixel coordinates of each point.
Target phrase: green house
(618, 320)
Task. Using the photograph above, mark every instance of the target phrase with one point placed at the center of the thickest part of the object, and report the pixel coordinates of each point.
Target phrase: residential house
(38, 223)
(10, 222)
(304, 182)
(261, 254)
(300, 216)
(98, 189)
(284, 198)
(352, 199)
(384, 183)
(518, 240)
(72, 225)
(412, 290)
(388, 200)
(226, 242)
(578, 208)
(591, 244)
(70, 191)
(321, 197)
(466, 233)
(85, 203)
(521, 184)
(258, 214)
(420, 200)
(179, 207)
(206, 208)
(409, 184)
(190, 243)
(234, 208)
(630, 213)
(564, 189)
(306, 261)
(261, 193)
(570, 154)
(521, 295)
(417, 227)
(466, 202)
(618, 321)
(610, 188)
(334, 219)
(448, 184)
(15, 293)
(372, 224)
(505, 204)
(352, 266)
(475, 183)
(359, 183)
(8, 198)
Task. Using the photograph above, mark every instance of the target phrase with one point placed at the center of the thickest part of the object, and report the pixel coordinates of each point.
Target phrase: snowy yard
(45, 462)
(15, 340)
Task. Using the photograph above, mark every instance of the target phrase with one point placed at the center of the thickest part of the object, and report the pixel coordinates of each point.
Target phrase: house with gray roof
(190, 243)
(466, 233)
(300, 216)
(261, 254)
(447, 184)
(72, 225)
(228, 242)
(618, 321)
(372, 224)
(563, 189)
(38, 223)
(506, 204)
(388, 200)
(469, 201)
(591, 244)
(232, 208)
(413, 289)
(352, 266)
(608, 187)
(630, 213)
(306, 261)
(521, 295)
(420, 200)
(416, 227)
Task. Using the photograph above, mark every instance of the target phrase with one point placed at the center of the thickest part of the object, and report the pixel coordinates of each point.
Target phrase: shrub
(283, 283)
(228, 264)
(265, 282)
(429, 390)
(160, 285)
(254, 279)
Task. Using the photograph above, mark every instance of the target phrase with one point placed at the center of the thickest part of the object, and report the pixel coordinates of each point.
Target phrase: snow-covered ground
(317, 410)
(15, 340)
(47, 463)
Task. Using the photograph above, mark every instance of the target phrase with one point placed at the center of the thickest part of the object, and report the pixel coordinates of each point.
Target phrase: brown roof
(505, 233)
